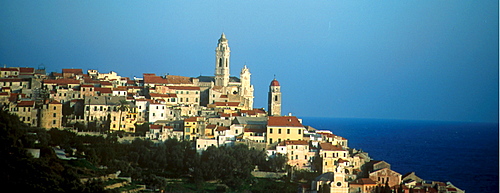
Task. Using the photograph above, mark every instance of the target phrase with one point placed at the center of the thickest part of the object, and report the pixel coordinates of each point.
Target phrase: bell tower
(274, 99)
(246, 90)
(222, 54)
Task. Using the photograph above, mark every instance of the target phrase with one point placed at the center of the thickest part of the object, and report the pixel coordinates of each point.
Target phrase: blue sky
(424, 60)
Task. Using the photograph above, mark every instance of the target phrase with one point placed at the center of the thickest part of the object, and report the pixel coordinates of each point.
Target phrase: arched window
(227, 62)
(220, 62)
(275, 97)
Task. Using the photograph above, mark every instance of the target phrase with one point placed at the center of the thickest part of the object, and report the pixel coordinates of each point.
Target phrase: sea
(463, 153)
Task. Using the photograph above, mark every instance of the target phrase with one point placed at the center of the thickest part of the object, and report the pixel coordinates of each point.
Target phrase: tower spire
(274, 98)
(222, 55)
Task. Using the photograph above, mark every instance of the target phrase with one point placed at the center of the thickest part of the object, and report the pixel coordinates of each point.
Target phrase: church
(222, 87)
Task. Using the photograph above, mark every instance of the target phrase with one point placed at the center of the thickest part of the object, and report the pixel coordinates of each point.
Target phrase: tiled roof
(105, 83)
(363, 181)
(296, 142)
(287, 121)
(26, 104)
(155, 126)
(9, 69)
(329, 146)
(62, 81)
(184, 87)
(211, 126)
(220, 128)
(103, 90)
(55, 102)
(27, 70)
(153, 79)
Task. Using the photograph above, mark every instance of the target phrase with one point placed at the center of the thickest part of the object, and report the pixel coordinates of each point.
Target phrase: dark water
(466, 154)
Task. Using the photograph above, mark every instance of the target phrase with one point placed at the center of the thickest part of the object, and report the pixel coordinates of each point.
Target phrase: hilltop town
(207, 111)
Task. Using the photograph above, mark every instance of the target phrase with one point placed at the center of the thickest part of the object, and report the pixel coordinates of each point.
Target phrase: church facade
(222, 87)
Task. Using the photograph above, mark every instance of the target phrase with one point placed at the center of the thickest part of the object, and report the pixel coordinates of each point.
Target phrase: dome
(275, 83)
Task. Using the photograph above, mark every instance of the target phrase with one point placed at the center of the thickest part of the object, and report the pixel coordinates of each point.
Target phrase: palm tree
(123, 106)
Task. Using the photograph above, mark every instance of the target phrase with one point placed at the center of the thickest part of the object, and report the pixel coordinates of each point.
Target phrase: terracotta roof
(363, 181)
(220, 128)
(191, 119)
(296, 142)
(119, 89)
(55, 102)
(275, 83)
(27, 70)
(211, 126)
(155, 126)
(228, 114)
(9, 69)
(329, 146)
(103, 90)
(26, 104)
(62, 81)
(4, 94)
(153, 79)
(288, 121)
(105, 83)
(342, 161)
(184, 87)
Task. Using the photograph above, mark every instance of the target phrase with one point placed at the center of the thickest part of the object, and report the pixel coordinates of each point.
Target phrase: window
(270, 140)
(53, 122)
(55, 108)
(287, 131)
(54, 115)
(300, 131)
(296, 156)
(279, 131)
(270, 130)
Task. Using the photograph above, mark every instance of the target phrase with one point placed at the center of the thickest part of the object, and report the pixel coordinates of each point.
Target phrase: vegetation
(172, 165)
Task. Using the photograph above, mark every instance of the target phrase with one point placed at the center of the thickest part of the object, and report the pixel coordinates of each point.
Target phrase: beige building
(27, 112)
(331, 156)
(386, 175)
(297, 152)
(284, 128)
(51, 115)
(362, 185)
